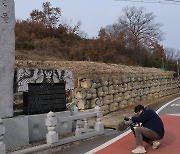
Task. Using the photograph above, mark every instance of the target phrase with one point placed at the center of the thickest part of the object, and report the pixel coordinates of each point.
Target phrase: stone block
(52, 138)
(127, 95)
(123, 104)
(84, 82)
(2, 149)
(105, 109)
(118, 97)
(80, 93)
(17, 131)
(91, 93)
(104, 81)
(111, 89)
(100, 92)
(113, 107)
(96, 102)
(83, 104)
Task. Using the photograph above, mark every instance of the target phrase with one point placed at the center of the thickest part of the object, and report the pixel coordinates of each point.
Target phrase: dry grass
(87, 68)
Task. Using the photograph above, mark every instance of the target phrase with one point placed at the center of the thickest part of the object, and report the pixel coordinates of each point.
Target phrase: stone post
(51, 122)
(2, 132)
(7, 57)
(99, 127)
(75, 110)
(77, 131)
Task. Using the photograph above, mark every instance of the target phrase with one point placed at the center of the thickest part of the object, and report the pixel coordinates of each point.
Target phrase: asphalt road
(89, 144)
(171, 108)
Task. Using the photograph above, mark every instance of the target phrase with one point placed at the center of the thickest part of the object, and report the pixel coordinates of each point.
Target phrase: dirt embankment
(86, 68)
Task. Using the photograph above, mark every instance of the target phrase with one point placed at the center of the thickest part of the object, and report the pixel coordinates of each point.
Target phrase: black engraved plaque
(44, 97)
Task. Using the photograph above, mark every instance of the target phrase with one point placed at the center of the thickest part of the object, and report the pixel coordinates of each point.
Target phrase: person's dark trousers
(145, 134)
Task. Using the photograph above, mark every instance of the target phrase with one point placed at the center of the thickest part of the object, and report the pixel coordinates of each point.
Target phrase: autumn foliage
(43, 37)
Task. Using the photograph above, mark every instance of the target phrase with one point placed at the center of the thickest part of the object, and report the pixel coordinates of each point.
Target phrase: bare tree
(172, 54)
(49, 16)
(140, 27)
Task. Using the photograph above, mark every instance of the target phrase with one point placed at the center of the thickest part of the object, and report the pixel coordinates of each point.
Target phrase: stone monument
(7, 57)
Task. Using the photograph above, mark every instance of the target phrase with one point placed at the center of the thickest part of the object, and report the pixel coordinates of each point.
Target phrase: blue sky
(95, 14)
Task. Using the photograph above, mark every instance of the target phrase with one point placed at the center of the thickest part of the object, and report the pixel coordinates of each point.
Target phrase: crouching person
(152, 130)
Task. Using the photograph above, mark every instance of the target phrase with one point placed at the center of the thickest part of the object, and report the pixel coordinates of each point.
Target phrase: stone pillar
(2, 132)
(7, 57)
(99, 127)
(51, 123)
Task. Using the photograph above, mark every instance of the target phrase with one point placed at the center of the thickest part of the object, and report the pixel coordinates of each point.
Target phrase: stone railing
(83, 128)
(86, 125)
(111, 86)
(2, 132)
(114, 92)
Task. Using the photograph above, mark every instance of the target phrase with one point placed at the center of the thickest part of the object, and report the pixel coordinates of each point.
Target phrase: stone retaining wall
(114, 92)
(111, 86)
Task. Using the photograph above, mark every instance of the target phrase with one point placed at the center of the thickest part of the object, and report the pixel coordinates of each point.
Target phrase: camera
(125, 124)
(128, 121)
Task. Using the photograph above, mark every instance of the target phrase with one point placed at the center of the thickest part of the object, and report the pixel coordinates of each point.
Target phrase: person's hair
(138, 108)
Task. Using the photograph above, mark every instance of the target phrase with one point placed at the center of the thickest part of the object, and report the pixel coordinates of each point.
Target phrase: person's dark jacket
(151, 120)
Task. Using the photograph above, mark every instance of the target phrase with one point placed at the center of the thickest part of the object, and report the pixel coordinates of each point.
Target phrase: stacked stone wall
(111, 86)
(114, 92)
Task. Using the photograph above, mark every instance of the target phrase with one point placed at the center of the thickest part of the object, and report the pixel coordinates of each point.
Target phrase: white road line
(174, 114)
(162, 107)
(175, 104)
(124, 134)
